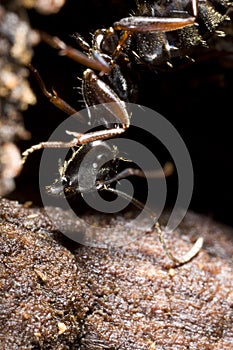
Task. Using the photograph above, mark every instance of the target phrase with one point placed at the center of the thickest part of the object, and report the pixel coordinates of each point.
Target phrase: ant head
(90, 167)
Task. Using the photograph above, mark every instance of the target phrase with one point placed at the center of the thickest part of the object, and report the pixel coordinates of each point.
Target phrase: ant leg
(95, 91)
(148, 24)
(76, 55)
(47, 144)
(166, 171)
(195, 7)
(152, 24)
(82, 139)
(53, 97)
(177, 261)
(188, 256)
(100, 93)
(79, 139)
(61, 104)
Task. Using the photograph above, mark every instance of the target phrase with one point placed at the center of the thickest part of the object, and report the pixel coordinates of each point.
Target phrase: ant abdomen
(159, 48)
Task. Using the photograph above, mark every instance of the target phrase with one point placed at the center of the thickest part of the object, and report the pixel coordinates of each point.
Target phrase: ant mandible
(108, 86)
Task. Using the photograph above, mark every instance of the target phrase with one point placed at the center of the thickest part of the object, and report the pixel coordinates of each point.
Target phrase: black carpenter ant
(95, 165)
(166, 48)
(105, 56)
(98, 174)
(159, 32)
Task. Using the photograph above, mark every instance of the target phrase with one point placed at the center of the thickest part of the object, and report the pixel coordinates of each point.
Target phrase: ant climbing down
(94, 90)
(153, 36)
(74, 179)
(156, 35)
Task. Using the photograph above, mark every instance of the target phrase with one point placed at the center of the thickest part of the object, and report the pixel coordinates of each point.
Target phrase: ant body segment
(155, 35)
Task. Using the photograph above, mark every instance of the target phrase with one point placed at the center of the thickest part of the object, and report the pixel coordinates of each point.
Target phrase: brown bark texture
(57, 294)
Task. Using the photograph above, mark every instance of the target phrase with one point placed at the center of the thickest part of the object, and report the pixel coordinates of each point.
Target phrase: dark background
(196, 98)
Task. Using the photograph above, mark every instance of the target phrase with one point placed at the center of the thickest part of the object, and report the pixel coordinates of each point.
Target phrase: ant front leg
(95, 91)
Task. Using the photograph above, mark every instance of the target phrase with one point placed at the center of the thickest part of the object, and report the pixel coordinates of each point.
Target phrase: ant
(148, 37)
(148, 29)
(104, 56)
(75, 178)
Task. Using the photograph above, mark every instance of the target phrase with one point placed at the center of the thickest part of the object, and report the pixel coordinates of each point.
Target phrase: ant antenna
(178, 261)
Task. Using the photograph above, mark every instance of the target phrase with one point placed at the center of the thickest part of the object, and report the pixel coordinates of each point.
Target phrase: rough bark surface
(56, 294)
